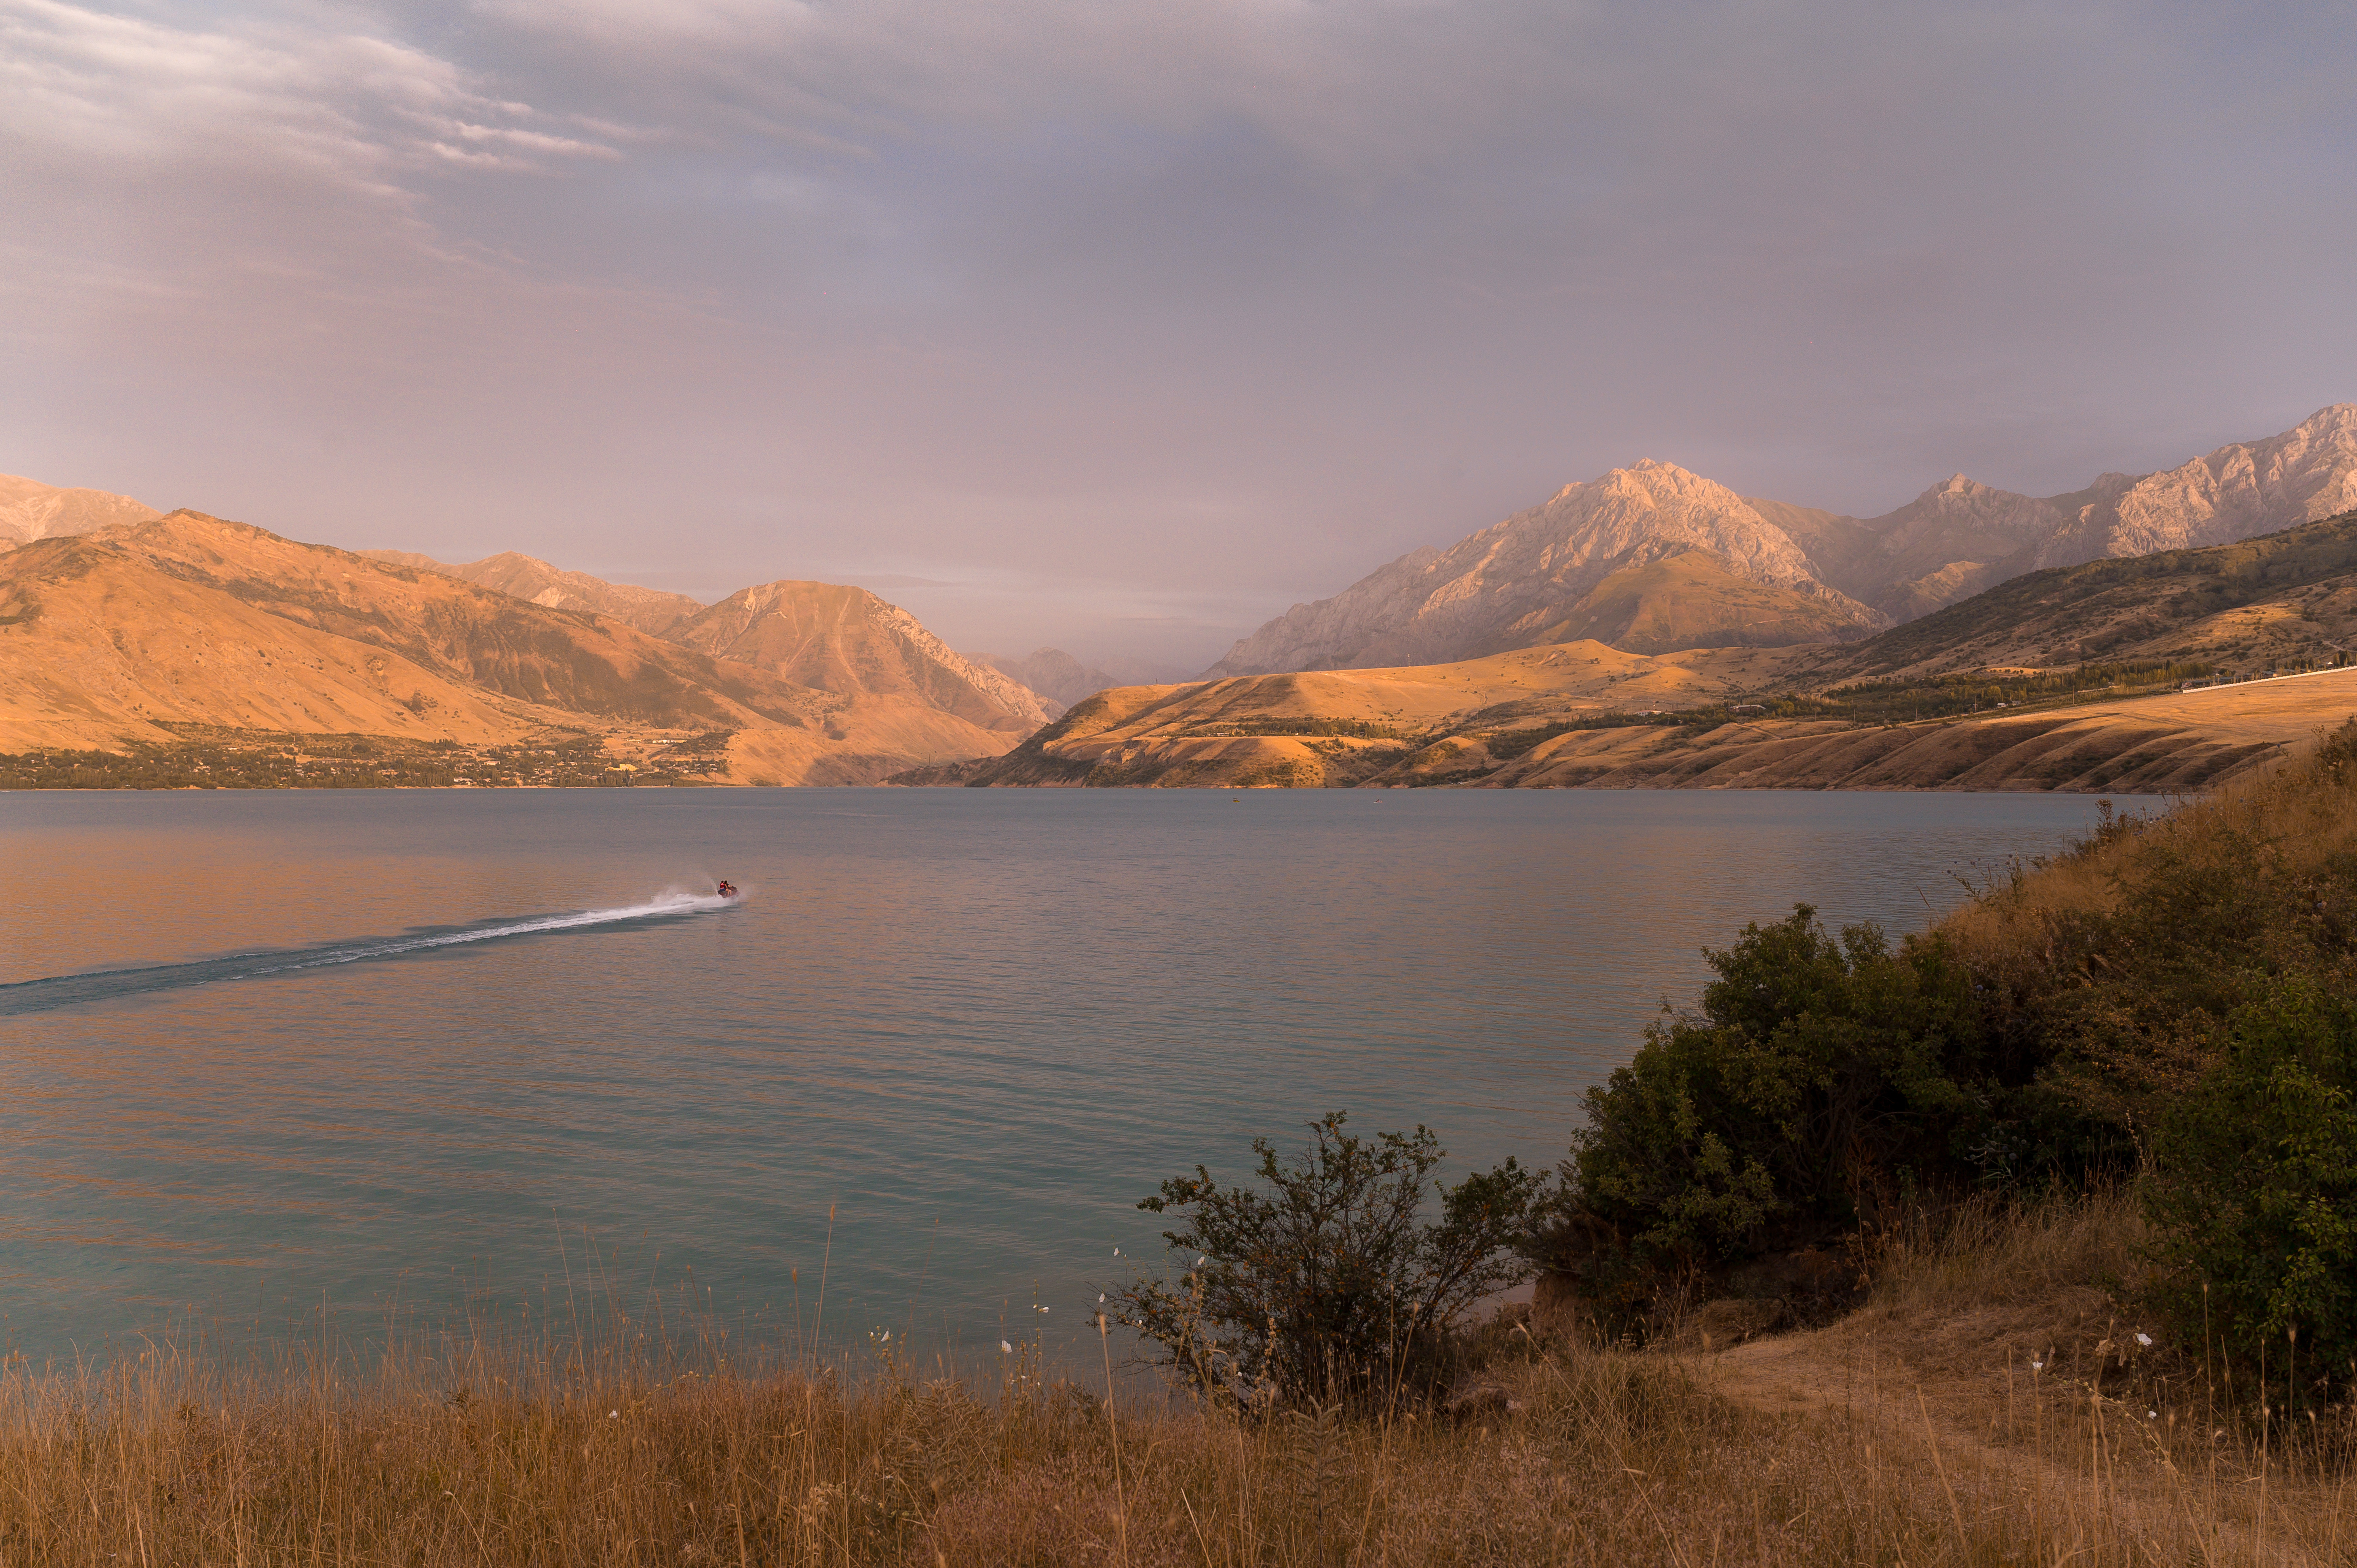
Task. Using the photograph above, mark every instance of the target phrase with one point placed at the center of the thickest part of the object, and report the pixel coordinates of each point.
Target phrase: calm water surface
(263, 1052)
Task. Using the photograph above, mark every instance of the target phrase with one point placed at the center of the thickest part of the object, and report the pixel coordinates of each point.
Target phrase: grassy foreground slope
(1580, 1456)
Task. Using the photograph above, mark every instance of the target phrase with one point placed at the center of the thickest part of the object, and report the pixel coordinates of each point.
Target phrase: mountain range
(2100, 676)
(121, 628)
(140, 634)
(1652, 558)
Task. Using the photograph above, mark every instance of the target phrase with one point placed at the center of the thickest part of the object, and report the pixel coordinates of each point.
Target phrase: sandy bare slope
(108, 640)
(1170, 739)
(650, 610)
(1486, 724)
(2150, 746)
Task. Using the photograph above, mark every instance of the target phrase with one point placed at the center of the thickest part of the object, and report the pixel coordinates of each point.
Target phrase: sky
(1123, 326)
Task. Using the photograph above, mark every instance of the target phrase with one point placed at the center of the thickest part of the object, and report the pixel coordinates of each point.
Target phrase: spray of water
(65, 990)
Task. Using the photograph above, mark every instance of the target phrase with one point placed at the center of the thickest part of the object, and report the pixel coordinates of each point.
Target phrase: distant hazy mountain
(30, 511)
(1528, 717)
(848, 642)
(1948, 544)
(1779, 573)
(650, 609)
(1054, 675)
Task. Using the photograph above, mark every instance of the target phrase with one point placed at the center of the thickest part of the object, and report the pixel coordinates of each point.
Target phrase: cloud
(351, 107)
(1228, 300)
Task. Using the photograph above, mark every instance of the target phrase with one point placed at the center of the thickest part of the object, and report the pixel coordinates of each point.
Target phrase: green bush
(2254, 1187)
(1821, 1079)
(1330, 1286)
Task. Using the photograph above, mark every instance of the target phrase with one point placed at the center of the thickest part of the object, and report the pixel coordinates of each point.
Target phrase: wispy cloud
(354, 107)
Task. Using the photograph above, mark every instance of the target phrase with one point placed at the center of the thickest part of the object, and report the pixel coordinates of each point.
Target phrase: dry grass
(475, 1453)
(1993, 1252)
(2284, 824)
(2010, 1337)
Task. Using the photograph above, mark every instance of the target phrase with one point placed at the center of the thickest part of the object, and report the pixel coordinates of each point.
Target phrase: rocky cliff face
(31, 510)
(1828, 577)
(2236, 492)
(1508, 585)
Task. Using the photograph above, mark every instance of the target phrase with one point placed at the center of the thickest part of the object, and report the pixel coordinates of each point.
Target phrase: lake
(265, 1055)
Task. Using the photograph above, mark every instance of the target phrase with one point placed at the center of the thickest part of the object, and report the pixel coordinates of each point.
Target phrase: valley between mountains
(1649, 628)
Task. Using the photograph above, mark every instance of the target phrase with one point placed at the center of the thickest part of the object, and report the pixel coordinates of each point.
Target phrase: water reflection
(981, 1023)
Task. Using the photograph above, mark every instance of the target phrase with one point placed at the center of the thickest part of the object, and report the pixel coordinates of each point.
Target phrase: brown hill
(2279, 601)
(1349, 726)
(31, 510)
(110, 641)
(848, 642)
(1504, 723)
(527, 577)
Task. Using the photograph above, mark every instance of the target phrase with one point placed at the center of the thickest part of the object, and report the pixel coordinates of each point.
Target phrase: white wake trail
(661, 905)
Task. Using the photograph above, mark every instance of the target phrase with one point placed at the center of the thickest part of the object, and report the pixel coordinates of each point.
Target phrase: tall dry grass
(2022, 1325)
(553, 1455)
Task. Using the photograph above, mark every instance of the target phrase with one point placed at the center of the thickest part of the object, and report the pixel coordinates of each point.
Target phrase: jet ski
(729, 890)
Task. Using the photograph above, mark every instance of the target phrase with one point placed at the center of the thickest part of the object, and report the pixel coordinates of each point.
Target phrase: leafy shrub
(2254, 1183)
(1820, 1079)
(2146, 981)
(1330, 1286)
(2112, 970)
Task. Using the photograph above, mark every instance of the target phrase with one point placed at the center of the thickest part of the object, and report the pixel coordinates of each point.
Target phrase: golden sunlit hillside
(126, 639)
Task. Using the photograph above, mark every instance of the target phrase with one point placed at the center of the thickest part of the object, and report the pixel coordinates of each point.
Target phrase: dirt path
(2079, 1466)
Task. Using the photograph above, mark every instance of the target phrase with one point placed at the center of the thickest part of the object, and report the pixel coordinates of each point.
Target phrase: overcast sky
(1123, 326)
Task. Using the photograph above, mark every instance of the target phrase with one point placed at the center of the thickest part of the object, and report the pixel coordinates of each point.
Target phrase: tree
(1328, 1284)
(2253, 1188)
(1818, 1072)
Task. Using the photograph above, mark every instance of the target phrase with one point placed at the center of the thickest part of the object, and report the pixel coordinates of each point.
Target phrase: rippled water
(260, 1052)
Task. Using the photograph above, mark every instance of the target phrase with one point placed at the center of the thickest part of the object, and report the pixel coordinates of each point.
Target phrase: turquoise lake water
(267, 1054)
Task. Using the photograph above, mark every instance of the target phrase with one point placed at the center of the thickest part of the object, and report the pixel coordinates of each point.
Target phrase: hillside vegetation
(2284, 600)
(2176, 1002)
